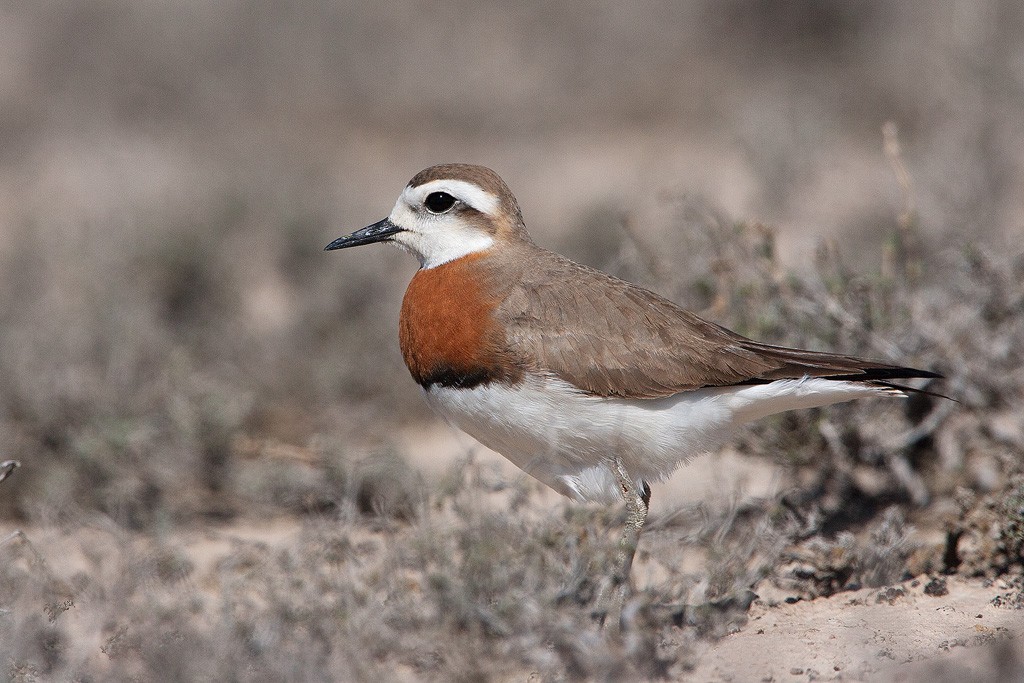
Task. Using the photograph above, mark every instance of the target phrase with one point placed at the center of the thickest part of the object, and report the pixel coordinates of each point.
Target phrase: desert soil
(896, 633)
(914, 630)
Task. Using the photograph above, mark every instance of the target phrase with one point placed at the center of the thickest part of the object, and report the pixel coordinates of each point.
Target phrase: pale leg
(637, 503)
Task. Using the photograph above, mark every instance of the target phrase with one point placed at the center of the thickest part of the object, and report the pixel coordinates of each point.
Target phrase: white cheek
(403, 216)
(435, 241)
(436, 248)
(411, 242)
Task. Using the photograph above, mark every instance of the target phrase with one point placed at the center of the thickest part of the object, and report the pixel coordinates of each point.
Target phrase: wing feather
(612, 338)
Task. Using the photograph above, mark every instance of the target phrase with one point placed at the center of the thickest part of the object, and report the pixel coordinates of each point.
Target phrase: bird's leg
(636, 514)
(637, 504)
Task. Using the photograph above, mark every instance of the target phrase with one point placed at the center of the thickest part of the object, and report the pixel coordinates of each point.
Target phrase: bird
(593, 385)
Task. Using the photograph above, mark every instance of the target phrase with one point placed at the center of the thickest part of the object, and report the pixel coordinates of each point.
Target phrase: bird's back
(612, 338)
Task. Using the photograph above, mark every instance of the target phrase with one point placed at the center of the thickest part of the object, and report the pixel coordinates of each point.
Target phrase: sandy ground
(896, 633)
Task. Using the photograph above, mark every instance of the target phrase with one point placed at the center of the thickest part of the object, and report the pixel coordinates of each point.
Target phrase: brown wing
(611, 338)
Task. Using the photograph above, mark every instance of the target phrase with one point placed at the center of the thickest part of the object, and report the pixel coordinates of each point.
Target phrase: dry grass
(386, 577)
(181, 365)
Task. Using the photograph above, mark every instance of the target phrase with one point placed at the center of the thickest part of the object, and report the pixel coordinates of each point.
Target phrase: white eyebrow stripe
(467, 192)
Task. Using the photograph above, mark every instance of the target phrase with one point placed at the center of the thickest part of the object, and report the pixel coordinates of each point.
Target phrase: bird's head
(446, 212)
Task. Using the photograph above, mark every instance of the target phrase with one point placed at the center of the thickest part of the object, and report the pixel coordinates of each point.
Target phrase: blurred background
(176, 348)
(169, 173)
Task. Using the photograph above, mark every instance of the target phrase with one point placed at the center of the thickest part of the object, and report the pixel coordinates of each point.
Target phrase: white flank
(439, 238)
(567, 439)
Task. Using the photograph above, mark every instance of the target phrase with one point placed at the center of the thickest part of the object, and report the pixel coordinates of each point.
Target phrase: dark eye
(439, 202)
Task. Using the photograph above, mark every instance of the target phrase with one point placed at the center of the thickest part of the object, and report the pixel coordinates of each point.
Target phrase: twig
(911, 480)
(19, 536)
(927, 426)
(8, 466)
(907, 252)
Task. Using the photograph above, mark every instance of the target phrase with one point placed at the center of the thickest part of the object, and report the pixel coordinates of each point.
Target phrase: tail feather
(794, 363)
(915, 390)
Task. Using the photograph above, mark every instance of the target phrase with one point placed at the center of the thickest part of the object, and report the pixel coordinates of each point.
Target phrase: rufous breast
(447, 330)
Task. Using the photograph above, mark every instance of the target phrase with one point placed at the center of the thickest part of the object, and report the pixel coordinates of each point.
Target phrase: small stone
(936, 587)
(890, 595)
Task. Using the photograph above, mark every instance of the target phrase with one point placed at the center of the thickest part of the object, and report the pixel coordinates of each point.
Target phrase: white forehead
(463, 190)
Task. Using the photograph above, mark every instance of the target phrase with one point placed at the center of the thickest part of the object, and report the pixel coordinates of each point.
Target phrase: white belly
(567, 439)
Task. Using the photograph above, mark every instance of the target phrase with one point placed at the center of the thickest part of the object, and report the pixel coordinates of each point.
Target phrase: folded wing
(625, 341)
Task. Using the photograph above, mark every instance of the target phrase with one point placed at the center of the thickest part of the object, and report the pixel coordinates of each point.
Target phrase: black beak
(378, 232)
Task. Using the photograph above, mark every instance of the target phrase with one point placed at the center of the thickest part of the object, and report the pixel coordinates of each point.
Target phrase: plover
(593, 385)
